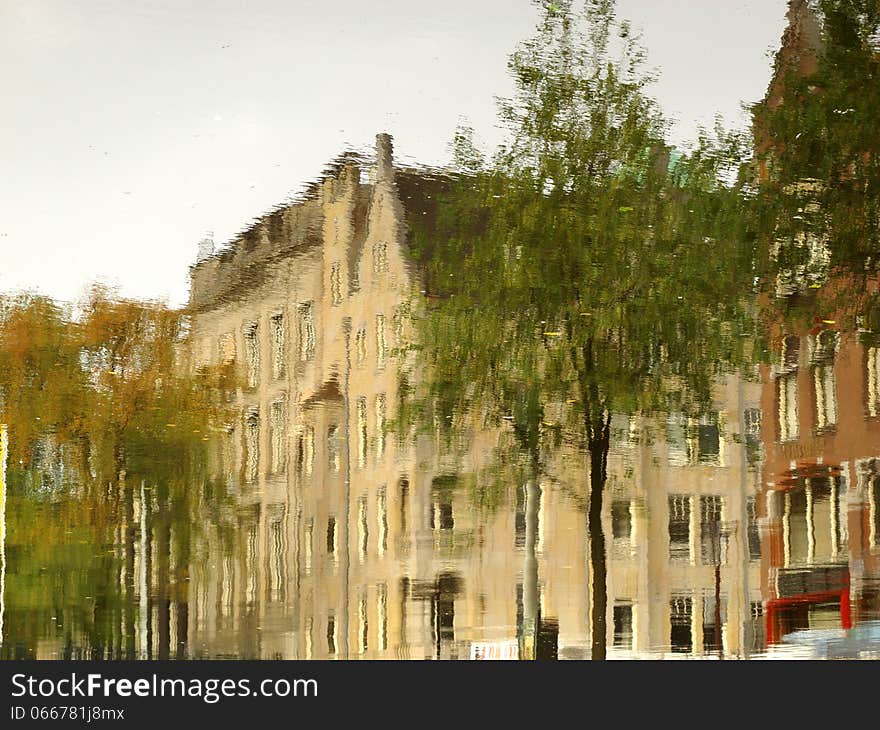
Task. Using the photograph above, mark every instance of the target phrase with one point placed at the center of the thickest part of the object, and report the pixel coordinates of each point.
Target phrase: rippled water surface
(591, 396)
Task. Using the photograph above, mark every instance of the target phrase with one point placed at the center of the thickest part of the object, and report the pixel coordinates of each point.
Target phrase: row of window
(681, 620)
(381, 525)
(714, 617)
(681, 607)
(364, 527)
(362, 431)
(380, 266)
(305, 452)
(873, 368)
(814, 521)
(442, 612)
(331, 632)
(868, 475)
(708, 529)
(227, 596)
(307, 338)
(823, 350)
(277, 441)
(692, 441)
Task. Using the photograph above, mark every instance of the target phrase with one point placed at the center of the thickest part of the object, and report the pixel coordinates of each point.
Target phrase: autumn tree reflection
(109, 432)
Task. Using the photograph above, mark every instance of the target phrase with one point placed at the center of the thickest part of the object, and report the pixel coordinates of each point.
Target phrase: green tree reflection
(588, 264)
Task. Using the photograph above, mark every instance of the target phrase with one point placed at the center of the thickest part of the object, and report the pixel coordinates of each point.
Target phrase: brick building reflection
(820, 480)
(819, 487)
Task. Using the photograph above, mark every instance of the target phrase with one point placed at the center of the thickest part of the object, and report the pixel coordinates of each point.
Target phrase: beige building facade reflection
(351, 539)
(684, 546)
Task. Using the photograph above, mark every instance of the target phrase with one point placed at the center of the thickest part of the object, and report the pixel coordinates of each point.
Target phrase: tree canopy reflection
(588, 263)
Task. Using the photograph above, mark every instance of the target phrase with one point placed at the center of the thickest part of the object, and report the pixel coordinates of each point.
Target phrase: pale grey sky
(130, 129)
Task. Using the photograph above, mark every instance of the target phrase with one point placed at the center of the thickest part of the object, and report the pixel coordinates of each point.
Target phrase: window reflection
(363, 529)
(331, 537)
(306, 450)
(382, 615)
(681, 633)
(679, 528)
(710, 529)
(336, 283)
(753, 534)
(714, 619)
(307, 335)
(621, 520)
(278, 430)
(252, 446)
(813, 521)
(360, 346)
(252, 354)
(873, 381)
(381, 343)
(868, 475)
(331, 634)
(623, 626)
(277, 560)
(824, 350)
(334, 449)
(754, 448)
(380, 257)
(278, 336)
(361, 432)
(441, 513)
(363, 625)
(403, 487)
(380, 426)
(308, 542)
(787, 390)
(251, 565)
(382, 520)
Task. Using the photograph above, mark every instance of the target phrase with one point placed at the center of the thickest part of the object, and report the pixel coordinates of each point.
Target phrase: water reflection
(395, 423)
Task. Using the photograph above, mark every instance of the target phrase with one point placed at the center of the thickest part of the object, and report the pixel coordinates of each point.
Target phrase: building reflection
(822, 433)
(684, 551)
(355, 540)
(820, 482)
(344, 533)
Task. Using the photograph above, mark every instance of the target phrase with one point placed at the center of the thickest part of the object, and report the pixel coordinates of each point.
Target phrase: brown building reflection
(822, 431)
(820, 480)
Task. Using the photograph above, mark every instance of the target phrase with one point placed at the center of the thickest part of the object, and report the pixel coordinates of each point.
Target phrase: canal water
(596, 395)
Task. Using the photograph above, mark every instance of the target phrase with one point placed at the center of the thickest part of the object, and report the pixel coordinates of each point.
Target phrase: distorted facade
(684, 546)
(821, 432)
(351, 539)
